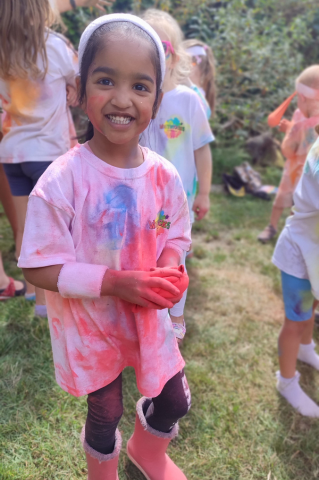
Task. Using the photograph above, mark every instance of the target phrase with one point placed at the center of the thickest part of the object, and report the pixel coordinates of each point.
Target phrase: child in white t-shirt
(297, 256)
(181, 132)
(34, 75)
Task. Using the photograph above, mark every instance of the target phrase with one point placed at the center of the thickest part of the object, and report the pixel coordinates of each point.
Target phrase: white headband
(122, 17)
(307, 92)
(197, 50)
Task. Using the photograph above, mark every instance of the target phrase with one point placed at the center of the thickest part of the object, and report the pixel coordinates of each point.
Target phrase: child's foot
(30, 297)
(267, 234)
(40, 311)
(308, 355)
(290, 389)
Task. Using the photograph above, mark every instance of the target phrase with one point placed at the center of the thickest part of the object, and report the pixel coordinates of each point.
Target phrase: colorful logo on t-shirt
(173, 127)
(160, 223)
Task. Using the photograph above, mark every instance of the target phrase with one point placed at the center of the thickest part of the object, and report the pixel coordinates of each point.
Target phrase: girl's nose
(121, 98)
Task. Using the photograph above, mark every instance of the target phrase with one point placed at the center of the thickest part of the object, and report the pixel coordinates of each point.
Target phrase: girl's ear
(160, 98)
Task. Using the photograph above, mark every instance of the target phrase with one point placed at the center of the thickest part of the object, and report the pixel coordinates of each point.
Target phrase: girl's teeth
(120, 120)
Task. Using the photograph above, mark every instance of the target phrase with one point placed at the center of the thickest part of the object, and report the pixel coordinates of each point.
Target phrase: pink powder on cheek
(145, 113)
(93, 109)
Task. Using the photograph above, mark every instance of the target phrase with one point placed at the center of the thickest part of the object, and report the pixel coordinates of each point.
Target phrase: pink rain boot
(147, 449)
(100, 466)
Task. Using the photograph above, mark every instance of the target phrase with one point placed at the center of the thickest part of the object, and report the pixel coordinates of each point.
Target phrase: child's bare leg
(308, 332)
(275, 216)
(307, 351)
(4, 279)
(288, 379)
(177, 317)
(7, 202)
(298, 326)
(21, 204)
(288, 346)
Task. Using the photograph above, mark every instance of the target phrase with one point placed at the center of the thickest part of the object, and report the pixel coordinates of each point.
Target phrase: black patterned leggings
(105, 409)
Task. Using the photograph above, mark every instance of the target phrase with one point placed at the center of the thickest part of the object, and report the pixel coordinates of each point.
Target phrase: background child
(181, 132)
(35, 67)
(296, 255)
(299, 137)
(94, 241)
(202, 75)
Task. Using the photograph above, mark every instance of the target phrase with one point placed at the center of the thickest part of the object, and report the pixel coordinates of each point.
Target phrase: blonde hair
(23, 25)
(310, 77)
(164, 21)
(207, 71)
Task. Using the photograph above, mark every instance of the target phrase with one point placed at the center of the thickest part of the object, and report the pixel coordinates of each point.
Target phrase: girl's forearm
(76, 280)
(204, 167)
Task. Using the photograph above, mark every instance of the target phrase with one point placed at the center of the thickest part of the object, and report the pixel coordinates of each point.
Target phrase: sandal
(179, 330)
(11, 292)
(267, 234)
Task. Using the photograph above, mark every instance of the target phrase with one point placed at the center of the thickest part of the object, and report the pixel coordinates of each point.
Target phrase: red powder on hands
(181, 283)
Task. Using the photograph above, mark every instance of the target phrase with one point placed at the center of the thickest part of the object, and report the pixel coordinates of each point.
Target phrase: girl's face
(121, 89)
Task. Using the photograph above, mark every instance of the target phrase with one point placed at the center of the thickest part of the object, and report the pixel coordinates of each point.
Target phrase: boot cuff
(101, 457)
(139, 410)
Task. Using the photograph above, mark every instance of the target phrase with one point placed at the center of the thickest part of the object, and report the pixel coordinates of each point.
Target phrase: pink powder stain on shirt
(99, 338)
(64, 379)
(79, 357)
(163, 178)
(56, 325)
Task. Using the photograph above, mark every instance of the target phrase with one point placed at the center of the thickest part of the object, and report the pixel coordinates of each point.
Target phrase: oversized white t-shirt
(36, 124)
(180, 128)
(297, 249)
(84, 210)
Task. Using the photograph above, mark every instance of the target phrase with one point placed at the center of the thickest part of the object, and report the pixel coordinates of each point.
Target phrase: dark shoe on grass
(267, 234)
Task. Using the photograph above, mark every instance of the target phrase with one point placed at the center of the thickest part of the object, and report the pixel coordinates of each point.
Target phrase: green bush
(260, 47)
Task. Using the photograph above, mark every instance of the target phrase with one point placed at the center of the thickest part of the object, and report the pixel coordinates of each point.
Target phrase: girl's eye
(105, 81)
(140, 88)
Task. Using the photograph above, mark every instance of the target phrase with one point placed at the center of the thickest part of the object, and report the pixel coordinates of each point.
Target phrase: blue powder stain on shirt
(122, 207)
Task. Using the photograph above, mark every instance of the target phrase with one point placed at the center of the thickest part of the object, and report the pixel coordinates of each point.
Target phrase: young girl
(300, 135)
(35, 67)
(296, 255)
(101, 231)
(181, 132)
(202, 76)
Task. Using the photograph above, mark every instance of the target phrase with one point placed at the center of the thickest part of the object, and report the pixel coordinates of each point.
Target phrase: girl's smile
(116, 119)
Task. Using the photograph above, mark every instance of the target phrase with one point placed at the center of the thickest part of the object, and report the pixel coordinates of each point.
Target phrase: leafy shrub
(260, 47)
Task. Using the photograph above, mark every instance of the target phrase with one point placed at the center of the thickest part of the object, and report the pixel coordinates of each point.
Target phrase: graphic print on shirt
(173, 127)
(122, 217)
(160, 223)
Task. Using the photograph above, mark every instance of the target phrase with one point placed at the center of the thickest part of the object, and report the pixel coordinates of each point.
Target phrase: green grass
(238, 427)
